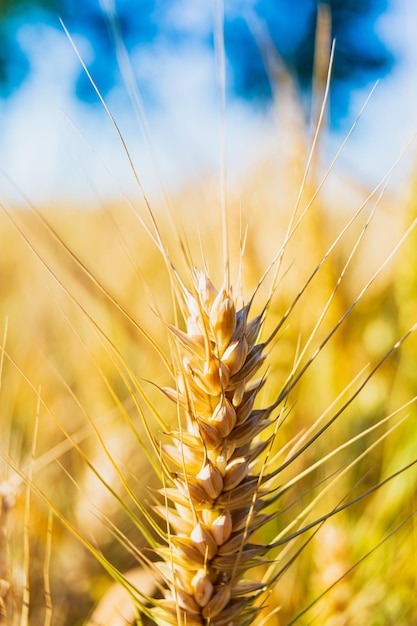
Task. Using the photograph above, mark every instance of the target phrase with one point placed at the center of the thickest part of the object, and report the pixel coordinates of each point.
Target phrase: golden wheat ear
(212, 504)
(6, 601)
(7, 502)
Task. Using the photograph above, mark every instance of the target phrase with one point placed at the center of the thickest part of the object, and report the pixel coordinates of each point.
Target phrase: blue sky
(56, 146)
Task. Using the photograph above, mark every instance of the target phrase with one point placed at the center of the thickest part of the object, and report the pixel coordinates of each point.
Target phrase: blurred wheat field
(83, 296)
(53, 348)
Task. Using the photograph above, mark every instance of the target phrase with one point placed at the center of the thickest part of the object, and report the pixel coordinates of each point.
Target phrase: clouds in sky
(54, 146)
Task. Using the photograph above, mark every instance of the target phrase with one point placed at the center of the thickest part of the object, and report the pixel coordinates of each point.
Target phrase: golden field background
(78, 287)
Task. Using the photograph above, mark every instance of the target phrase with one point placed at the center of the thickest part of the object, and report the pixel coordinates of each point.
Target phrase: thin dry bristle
(221, 87)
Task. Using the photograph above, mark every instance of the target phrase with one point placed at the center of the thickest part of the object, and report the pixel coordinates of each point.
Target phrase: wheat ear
(6, 502)
(213, 503)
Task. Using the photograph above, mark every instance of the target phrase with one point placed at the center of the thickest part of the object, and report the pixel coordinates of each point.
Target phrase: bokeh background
(44, 91)
(58, 370)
